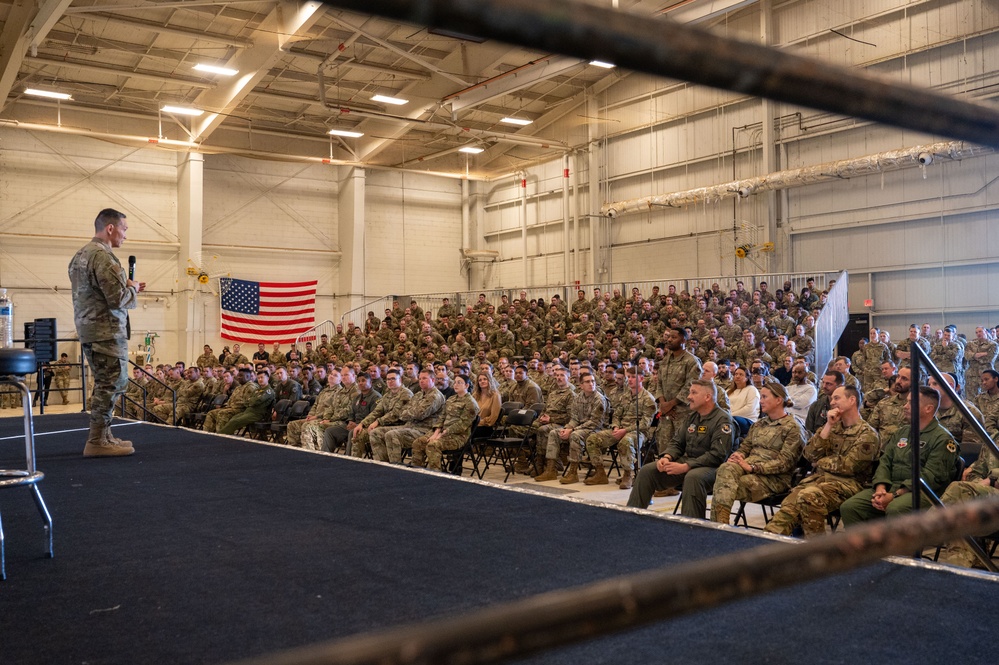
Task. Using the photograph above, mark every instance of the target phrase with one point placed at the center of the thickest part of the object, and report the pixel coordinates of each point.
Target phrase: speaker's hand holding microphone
(139, 286)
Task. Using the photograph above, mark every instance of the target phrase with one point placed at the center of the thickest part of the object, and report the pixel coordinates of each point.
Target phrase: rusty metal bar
(568, 616)
(665, 48)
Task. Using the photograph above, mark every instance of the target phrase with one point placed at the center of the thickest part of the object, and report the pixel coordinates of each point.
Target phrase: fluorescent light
(389, 100)
(601, 63)
(471, 150)
(181, 110)
(47, 93)
(344, 132)
(215, 69)
(517, 121)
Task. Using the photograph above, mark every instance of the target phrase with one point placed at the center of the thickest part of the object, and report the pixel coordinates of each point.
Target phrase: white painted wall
(922, 243)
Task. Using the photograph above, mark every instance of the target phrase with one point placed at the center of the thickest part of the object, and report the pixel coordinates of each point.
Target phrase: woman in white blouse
(745, 400)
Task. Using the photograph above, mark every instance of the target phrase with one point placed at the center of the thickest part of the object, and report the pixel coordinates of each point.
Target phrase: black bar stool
(14, 365)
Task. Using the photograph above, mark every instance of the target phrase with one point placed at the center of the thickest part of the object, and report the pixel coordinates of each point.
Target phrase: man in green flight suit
(938, 453)
(258, 407)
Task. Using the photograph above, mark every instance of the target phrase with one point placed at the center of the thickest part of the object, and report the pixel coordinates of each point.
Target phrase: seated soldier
(938, 453)
(421, 415)
(386, 413)
(766, 458)
(631, 420)
(586, 416)
(257, 408)
(843, 454)
(979, 481)
(692, 457)
(460, 411)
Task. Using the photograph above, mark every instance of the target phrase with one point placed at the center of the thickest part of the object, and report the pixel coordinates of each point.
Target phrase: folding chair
(298, 410)
(506, 448)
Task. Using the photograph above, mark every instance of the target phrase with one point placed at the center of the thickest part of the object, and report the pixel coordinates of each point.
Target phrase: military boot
(572, 475)
(721, 514)
(115, 441)
(98, 446)
(523, 465)
(539, 466)
(550, 472)
(626, 479)
(599, 476)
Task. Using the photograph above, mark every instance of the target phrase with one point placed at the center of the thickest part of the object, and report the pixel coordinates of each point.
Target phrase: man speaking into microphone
(102, 294)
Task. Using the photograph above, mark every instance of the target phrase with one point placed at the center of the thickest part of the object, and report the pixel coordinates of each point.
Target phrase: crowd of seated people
(689, 375)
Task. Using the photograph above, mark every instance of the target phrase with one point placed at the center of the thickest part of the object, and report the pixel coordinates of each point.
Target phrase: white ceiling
(304, 68)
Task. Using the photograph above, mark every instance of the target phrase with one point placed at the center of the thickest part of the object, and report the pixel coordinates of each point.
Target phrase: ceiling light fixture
(385, 99)
(517, 121)
(182, 110)
(215, 69)
(601, 63)
(471, 150)
(47, 93)
(344, 132)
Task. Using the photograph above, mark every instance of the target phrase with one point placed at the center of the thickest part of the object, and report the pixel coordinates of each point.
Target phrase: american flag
(268, 312)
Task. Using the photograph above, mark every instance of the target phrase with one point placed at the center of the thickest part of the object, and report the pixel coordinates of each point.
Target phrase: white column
(191, 312)
(350, 219)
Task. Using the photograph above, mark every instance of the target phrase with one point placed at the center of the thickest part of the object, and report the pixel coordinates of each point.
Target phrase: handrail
(145, 409)
(922, 360)
(361, 308)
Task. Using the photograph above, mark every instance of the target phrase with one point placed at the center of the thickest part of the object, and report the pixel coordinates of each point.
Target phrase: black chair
(262, 428)
(505, 449)
(198, 419)
(298, 410)
(480, 451)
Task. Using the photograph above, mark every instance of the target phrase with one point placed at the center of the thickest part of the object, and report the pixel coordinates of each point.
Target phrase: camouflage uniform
(60, 369)
(843, 465)
(586, 415)
(388, 412)
(973, 375)
(625, 415)
(986, 467)
(949, 358)
(257, 409)
(888, 416)
(336, 413)
(293, 433)
(240, 398)
(989, 406)
(938, 453)
(100, 297)
(703, 444)
(557, 408)
(675, 377)
(459, 414)
(188, 395)
(772, 448)
(951, 420)
(423, 413)
(206, 360)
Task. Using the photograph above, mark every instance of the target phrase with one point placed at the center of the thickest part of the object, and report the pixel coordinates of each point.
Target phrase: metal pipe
(561, 617)
(890, 160)
(523, 224)
(565, 218)
(575, 224)
(664, 48)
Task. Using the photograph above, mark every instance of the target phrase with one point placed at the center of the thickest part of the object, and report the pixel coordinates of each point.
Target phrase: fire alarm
(869, 303)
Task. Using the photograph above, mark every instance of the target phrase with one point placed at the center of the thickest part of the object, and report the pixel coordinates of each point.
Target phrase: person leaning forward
(692, 457)
(843, 453)
(102, 292)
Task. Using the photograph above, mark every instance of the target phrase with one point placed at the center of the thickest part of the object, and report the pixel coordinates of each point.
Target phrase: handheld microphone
(131, 267)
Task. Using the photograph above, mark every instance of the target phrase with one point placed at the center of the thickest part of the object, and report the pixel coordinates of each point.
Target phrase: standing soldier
(677, 371)
(61, 370)
(980, 355)
(206, 359)
(102, 292)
